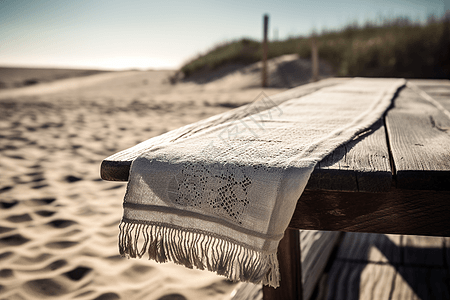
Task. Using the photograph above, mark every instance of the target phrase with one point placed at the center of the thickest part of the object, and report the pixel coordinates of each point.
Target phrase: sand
(19, 77)
(59, 220)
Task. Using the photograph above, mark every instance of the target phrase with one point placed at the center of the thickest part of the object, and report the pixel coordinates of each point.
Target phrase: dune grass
(394, 48)
(244, 51)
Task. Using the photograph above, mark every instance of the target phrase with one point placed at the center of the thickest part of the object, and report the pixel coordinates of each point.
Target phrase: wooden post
(289, 258)
(265, 82)
(315, 60)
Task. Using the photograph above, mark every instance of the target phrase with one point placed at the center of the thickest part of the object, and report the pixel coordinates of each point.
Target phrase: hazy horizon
(141, 35)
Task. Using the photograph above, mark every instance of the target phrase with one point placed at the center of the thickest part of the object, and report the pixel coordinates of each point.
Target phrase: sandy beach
(59, 220)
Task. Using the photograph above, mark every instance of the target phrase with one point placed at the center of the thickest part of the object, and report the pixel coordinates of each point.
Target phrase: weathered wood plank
(117, 167)
(396, 212)
(441, 91)
(433, 92)
(443, 100)
(419, 141)
(361, 165)
(432, 85)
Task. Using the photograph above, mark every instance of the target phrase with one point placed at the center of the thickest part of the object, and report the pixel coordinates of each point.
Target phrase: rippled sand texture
(58, 219)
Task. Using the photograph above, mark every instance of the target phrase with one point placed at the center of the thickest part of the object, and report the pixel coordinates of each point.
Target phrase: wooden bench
(392, 179)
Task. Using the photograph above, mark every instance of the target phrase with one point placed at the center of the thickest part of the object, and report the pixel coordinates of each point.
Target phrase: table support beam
(289, 258)
(414, 212)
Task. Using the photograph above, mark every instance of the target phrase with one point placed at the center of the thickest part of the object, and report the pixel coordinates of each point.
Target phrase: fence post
(315, 60)
(265, 82)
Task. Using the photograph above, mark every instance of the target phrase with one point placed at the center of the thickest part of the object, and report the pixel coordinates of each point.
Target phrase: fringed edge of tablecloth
(196, 249)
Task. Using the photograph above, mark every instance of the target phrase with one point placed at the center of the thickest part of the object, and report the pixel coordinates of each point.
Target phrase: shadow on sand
(424, 268)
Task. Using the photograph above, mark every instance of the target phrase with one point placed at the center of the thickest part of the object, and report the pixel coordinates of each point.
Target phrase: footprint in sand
(36, 166)
(6, 273)
(5, 189)
(5, 255)
(8, 204)
(71, 178)
(19, 218)
(78, 273)
(39, 186)
(40, 201)
(61, 223)
(29, 260)
(45, 213)
(137, 272)
(107, 296)
(57, 264)
(61, 245)
(45, 287)
(35, 174)
(38, 179)
(13, 240)
(5, 229)
(15, 156)
(172, 297)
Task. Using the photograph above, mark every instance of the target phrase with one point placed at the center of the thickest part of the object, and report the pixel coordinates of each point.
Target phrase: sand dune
(286, 71)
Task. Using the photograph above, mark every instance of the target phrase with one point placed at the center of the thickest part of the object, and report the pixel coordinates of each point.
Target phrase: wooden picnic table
(392, 179)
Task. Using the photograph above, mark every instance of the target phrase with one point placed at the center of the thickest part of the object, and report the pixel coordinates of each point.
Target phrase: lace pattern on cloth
(221, 192)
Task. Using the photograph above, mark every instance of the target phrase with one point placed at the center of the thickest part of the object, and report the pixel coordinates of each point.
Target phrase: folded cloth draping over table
(220, 195)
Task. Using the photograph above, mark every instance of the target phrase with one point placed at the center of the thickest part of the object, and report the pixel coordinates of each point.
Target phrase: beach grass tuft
(395, 47)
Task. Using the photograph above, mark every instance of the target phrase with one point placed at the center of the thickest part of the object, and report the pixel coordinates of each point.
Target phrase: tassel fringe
(197, 249)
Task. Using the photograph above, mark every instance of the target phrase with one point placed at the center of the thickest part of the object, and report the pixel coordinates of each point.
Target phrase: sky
(166, 34)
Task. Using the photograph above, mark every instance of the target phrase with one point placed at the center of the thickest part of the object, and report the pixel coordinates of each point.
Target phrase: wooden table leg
(289, 258)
